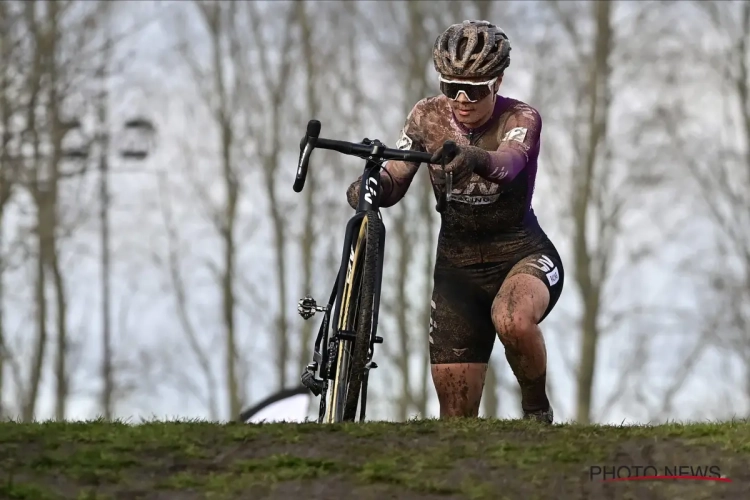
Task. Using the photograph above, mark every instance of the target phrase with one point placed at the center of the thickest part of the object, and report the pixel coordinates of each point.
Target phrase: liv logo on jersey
(477, 193)
(548, 267)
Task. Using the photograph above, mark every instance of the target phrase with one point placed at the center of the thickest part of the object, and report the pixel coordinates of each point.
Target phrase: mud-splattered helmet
(472, 49)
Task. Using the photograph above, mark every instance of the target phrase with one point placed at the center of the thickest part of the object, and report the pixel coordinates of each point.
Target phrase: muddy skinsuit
(487, 228)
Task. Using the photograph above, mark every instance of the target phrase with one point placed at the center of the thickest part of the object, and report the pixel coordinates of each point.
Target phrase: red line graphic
(659, 478)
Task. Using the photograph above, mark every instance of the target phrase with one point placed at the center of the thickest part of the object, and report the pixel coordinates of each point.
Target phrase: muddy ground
(428, 459)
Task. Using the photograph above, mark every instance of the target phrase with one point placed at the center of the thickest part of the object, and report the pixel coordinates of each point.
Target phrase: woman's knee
(518, 307)
(512, 323)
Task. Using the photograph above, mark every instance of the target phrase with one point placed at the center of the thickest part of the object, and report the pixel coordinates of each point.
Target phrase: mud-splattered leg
(459, 388)
(516, 312)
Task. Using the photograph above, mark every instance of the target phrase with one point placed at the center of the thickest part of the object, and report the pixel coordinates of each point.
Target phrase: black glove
(461, 161)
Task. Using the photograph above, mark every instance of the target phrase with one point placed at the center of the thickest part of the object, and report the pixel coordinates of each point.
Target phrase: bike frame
(374, 153)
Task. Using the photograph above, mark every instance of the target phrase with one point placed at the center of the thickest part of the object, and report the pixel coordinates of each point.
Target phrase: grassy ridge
(427, 459)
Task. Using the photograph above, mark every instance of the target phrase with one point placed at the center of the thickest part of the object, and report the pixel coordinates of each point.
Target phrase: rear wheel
(356, 313)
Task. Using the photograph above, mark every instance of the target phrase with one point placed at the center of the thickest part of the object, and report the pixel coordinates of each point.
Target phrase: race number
(515, 134)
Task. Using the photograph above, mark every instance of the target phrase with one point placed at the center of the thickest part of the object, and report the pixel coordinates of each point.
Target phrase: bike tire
(355, 315)
(365, 314)
(250, 412)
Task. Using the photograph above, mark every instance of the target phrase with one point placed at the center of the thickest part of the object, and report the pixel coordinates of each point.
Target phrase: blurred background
(152, 250)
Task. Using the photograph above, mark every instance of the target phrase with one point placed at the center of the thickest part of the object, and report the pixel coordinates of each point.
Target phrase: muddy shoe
(542, 416)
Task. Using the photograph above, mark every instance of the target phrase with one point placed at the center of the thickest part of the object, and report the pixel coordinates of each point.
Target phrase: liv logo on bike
(372, 186)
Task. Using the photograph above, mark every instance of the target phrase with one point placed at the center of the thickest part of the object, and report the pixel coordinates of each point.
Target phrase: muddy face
(474, 114)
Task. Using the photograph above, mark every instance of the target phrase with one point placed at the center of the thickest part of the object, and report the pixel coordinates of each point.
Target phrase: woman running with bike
(496, 271)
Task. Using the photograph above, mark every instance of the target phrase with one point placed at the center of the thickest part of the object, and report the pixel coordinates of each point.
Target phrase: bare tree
(56, 42)
(8, 164)
(591, 266)
(107, 375)
(272, 88)
(340, 110)
(725, 185)
(596, 179)
(309, 239)
(720, 166)
(47, 202)
(39, 193)
(218, 91)
(247, 102)
(179, 289)
(46, 87)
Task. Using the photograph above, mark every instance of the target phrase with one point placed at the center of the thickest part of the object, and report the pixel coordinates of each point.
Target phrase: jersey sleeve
(411, 136)
(522, 130)
(519, 137)
(396, 176)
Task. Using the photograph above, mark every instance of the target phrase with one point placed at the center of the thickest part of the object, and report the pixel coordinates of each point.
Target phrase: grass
(473, 459)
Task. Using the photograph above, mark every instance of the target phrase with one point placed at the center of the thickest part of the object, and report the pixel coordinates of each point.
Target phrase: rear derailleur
(307, 307)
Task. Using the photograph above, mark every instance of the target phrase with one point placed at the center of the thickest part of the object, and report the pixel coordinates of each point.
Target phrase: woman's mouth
(464, 112)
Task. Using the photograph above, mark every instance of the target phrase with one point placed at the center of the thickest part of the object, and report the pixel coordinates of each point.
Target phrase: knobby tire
(363, 297)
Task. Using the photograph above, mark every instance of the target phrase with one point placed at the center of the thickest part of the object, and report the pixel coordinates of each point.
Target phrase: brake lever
(306, 146)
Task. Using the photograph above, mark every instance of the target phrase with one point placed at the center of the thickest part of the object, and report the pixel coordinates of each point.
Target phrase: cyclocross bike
(345, 357)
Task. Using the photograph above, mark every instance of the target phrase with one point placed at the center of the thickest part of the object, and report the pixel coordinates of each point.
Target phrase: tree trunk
(401, 304)
(29, 407)
(589, 282)
(277, 89)
(6, 181)
(228, 221)
(40, 347)
(309, 232)
(57, 133)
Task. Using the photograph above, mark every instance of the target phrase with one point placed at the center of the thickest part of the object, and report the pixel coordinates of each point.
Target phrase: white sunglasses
(473, 91)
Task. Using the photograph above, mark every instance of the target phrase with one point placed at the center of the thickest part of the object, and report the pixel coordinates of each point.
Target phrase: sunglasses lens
(473, 92)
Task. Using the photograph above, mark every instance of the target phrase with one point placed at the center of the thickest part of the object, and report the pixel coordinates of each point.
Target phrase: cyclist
(496, 271)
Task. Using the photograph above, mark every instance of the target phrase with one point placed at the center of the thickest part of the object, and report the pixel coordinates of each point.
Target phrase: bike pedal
(307, 307)
(371, 365)
(377, 340)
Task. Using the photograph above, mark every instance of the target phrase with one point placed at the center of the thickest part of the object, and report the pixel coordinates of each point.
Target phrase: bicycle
(345, 358)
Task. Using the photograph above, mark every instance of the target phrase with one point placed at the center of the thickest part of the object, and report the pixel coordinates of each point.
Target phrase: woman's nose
(462, 98)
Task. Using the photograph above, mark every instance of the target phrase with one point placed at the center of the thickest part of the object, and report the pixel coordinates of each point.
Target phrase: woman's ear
(498, 82)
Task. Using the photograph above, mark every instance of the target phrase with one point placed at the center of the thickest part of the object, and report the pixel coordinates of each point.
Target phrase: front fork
(325, 352)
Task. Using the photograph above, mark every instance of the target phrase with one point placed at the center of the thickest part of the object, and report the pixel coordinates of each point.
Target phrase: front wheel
(356, 314)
